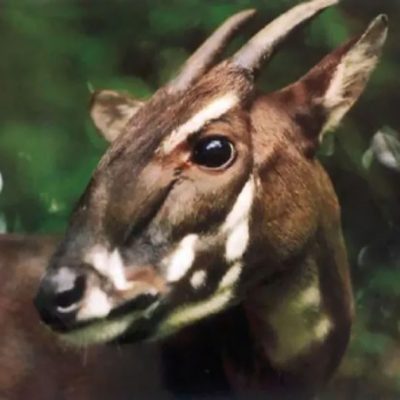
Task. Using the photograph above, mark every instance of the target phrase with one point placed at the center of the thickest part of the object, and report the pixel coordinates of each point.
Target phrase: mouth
(134, 316)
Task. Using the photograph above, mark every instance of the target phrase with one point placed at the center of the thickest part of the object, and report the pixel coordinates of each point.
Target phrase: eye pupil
(213, 152)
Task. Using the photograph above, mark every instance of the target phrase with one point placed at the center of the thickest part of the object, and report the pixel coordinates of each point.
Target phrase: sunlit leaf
(386, 148)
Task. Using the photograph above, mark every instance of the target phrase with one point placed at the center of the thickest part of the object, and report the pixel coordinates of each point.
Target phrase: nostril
(59, 297)
(67, 300)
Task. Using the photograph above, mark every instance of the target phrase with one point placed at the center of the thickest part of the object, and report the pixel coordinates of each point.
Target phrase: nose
(59, 297)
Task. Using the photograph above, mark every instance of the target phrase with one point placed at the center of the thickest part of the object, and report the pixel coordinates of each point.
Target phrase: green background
(52, 51)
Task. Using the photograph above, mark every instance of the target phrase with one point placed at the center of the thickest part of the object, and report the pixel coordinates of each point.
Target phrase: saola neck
(289, 332)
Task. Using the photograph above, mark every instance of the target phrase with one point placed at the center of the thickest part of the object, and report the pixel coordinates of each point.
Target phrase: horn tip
(249, 11)
(245, 14)
(324, 3)
(263, 44)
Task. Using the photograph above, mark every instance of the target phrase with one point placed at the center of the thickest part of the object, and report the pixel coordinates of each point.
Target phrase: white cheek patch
(236, 224)
(237, 241)
(212, 111)
(96, 305)
(109, 265)
(182, 258)
(198, 279)
(101, 331)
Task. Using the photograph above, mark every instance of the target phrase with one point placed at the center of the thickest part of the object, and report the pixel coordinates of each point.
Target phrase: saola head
(207, 189)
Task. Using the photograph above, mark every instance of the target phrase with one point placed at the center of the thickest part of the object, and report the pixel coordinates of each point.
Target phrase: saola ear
(323, 96)
(111, 111)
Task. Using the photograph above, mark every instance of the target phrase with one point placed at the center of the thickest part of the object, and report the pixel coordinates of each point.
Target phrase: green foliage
(53, 52)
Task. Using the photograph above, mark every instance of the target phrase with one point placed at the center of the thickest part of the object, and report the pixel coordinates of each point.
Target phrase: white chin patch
(101, 331)
(192, 312)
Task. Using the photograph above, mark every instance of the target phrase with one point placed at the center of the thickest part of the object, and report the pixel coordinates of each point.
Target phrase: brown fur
(35, 365)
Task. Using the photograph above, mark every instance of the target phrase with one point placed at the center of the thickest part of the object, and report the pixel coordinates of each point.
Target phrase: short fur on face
(190, 236)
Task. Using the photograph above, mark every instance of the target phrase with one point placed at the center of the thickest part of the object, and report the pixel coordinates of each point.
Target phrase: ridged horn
(262, 45)
(203, 58)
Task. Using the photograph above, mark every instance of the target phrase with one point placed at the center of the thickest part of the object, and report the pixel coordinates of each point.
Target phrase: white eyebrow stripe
(215, 109)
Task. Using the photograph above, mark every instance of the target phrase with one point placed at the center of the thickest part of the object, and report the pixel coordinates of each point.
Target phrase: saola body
(210, 226)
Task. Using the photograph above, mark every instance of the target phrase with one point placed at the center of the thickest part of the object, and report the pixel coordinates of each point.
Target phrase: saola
(209, 224)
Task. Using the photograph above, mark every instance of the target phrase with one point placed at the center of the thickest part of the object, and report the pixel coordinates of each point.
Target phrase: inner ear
(110, 112)
(319, 100)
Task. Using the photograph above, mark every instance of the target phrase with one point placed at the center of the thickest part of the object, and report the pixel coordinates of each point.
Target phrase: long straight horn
(203, 58)
(263, 45)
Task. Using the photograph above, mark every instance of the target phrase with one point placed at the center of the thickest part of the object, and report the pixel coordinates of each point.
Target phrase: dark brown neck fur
(242, 350)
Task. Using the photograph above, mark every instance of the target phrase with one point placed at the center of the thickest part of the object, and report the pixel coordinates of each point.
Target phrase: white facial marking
(198, 279)
(231, 276)
(116, 271)
(189, 313)
(211, 111)
(237, 241)
(100, 332)
(236, 224)
(96, 305)
(182, 258)
(98, 259)
(109, 265)
(241, 207)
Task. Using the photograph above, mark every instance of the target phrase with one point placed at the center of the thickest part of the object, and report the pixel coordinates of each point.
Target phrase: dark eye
(213, 152)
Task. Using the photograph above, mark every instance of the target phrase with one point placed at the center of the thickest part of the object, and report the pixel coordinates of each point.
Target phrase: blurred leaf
(385, 281)
(372, 343)
(386, 148)
(367, 159)
(3, 223)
